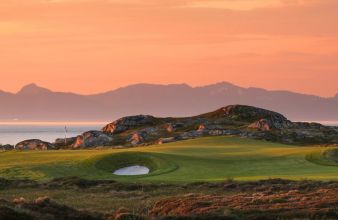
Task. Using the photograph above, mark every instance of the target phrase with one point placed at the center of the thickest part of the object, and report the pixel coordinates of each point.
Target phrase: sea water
(14, 133)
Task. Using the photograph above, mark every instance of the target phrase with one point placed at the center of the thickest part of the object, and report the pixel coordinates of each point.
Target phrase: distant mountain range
(34, 103)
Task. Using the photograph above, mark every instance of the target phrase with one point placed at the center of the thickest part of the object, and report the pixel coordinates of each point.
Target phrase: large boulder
(137, 138)
(34, 144)
(169, 127)
(173, 126)
(65, 142)
(93, 139)
(262, 124)
(167, 140)
(131, 122)
(6, 147)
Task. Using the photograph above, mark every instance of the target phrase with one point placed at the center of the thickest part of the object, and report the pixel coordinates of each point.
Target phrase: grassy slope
(205, 159)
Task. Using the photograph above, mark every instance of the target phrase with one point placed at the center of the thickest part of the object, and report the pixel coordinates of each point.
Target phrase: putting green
(325, 157)
(203, 159)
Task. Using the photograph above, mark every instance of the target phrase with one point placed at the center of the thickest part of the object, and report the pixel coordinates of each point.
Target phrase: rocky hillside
(240, 120)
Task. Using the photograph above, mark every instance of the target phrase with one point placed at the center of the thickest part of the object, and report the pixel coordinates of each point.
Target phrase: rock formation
(240, 120)
(34, 144)
(245, 121)
(65, 142)
(6, 147)
(128, 123)
(92, 139)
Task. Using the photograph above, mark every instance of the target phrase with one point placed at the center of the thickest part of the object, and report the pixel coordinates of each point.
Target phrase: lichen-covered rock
(169, 127)
(128, 123)
(245, 113)
(216, 132)
(167, 140)
(245, 121)
(65, 142)
(34, 144)
(201, 128)
(137, 138)
(262, 124)
(6, 147)
(190, 134)
(93, 139)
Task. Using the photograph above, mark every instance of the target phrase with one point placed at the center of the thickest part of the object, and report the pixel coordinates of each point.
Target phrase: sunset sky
(90, 46)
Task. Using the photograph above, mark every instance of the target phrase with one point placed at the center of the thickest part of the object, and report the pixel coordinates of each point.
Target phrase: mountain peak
(223, 84)
(32, 89)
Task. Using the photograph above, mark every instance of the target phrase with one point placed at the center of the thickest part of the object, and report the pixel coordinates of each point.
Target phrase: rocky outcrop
(129, 123)
(65, 142)
(190, 134)
(6, 147)
(262, 124)
(167, 140)
(137, 138)
(173, 126)
(245, 114)
(93, 139)
(240, 120)
(169, 127)
(34, 144)
(201, 128)
(271, 123)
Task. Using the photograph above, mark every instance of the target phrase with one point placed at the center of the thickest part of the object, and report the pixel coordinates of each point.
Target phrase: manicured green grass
(325, 157)
(203, 159)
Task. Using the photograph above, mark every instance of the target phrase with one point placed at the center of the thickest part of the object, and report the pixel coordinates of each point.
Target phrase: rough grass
(203, 159)
(307, 198)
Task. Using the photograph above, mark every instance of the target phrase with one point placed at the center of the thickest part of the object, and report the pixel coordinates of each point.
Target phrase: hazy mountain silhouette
(40, 104)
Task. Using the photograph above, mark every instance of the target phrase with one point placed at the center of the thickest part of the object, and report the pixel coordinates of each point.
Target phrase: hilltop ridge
(35, 103)
(238, 120)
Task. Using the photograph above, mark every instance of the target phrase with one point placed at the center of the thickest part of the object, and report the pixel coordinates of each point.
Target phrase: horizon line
(63, 123)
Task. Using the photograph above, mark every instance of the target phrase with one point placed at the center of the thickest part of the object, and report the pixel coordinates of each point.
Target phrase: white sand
(132, 170)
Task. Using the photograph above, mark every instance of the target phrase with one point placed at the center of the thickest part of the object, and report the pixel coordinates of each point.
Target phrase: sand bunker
(132, 170)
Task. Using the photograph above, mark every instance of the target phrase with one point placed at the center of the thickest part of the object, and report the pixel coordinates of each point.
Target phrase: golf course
(207, 159)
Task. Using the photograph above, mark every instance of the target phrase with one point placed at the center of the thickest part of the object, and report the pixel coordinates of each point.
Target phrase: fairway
(203, 159)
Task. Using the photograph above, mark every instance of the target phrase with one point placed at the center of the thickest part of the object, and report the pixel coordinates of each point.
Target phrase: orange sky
(89, 46)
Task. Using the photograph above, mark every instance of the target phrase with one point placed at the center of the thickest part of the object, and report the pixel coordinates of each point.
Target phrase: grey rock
(262, 124)
(65, 142)
(137, 138)
(169, 127)
(6, 147)
(93, 139)
(34, 144)
(131, 122)
(167, 140)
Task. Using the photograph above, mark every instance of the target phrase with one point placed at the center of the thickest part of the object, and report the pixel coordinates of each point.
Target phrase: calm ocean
(14, 133)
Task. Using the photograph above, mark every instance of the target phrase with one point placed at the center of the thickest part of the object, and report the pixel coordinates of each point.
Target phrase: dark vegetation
(107, 199)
